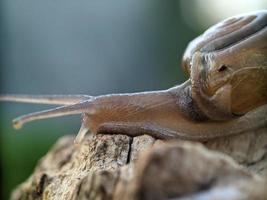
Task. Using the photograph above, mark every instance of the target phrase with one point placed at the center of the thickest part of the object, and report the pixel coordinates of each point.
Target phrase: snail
(226, 93)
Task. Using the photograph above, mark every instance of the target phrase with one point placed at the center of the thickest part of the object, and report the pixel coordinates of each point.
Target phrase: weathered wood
(121, 167)
(248, 149)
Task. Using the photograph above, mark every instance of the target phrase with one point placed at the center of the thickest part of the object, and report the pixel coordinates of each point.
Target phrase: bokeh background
(89, 47)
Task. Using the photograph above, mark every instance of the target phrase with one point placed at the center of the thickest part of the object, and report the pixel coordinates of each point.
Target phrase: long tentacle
(46, 99)
(82, 107)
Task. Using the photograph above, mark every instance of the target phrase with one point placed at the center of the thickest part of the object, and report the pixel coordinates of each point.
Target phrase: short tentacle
(82, 107)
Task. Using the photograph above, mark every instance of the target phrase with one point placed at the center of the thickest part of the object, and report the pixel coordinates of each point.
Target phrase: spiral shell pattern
(226, 33)
(241, 42)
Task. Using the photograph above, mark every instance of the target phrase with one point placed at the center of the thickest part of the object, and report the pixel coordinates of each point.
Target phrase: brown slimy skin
(225, 95)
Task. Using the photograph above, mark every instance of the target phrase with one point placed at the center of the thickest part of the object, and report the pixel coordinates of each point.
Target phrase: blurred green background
(89, 47)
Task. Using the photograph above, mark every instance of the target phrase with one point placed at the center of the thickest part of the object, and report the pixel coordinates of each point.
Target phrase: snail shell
(228, 66)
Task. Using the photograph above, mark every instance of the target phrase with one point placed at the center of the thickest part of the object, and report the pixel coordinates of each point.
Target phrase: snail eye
(222, 68)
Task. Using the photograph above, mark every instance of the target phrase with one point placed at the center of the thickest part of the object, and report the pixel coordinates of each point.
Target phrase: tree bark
(120, 167)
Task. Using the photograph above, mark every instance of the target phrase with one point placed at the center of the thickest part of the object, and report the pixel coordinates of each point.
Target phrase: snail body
(226, 93)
